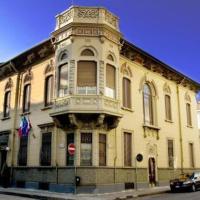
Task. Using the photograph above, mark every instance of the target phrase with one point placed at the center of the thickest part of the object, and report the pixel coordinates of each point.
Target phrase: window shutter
(102, 149)
(126, 93)
(168, 107)
(110, 76)
(188, 111)
(127, 149)
(86, 74)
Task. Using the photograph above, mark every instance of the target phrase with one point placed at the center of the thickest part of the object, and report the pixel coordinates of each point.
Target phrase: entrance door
(3, 155)
(152, 171)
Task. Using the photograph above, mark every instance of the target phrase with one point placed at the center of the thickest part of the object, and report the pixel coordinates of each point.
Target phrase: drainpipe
(17, 92)
(180, 123)
(115, 158)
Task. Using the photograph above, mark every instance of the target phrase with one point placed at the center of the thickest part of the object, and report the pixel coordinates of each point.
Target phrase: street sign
(71, 149)
(139, 157)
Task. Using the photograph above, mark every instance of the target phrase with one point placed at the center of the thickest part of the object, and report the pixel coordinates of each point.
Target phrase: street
(10, 197)
(173, 196)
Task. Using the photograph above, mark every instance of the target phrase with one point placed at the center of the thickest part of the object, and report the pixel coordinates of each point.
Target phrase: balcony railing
(86, 104)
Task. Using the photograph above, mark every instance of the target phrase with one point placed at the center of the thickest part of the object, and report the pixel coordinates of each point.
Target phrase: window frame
(105, 146)
(127, 154)
(48, 102)
(26, 98)
(188, 114)
(124, 93)
(7, 104)
(168, 112)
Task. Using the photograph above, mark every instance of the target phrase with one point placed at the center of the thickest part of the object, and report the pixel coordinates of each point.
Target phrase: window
(86, 149)
(168, 113)
(102, 150)
(22, 155)
(26, 98)
(110, 81)
(48, 90)
(87, 77)
(191, 154)
(70, 159)
(127, 149)
(170, 153)
(63, 80)
(148, 105)
(188, 112)
(87, 52)
(46, 149)
(126, 93)
(6, 107)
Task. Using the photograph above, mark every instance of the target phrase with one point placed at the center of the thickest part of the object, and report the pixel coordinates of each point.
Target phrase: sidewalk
(40, 194)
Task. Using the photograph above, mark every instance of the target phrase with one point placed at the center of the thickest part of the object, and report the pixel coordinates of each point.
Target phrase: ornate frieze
(65, 17)
(88, 12)
(111, 19)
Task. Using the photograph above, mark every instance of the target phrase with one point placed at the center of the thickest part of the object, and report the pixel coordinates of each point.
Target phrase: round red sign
(71, 149)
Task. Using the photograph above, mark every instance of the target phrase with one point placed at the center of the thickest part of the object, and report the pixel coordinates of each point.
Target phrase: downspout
(115, 158)
(17, 92)
(180, 123)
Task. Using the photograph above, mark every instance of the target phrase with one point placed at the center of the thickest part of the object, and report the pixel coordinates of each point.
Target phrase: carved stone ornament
(28, 76)
(65, 17)
(110, 19)
(9, 84)
(126, 70)
(50, 67)
(166, 88)
(88, 13)
(187, 97)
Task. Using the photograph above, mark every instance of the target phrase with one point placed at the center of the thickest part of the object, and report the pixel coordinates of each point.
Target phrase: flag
(25, 127)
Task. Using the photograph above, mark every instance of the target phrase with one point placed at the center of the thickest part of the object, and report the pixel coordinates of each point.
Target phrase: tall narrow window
(127, 149)
(63, 80)
(46, 150)
(102, 150)
(70, 158)
(110, 81)
(86, 149)
(148, 105)
(126, 93)
(168, 113)
(22, 155)
(188, 112)
(26, 98)
(6, 109)
(170, 153)
(87, 77)
(48, 90)
(191, 154)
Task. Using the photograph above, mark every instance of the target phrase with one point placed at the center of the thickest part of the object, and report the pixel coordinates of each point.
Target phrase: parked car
(186, 182)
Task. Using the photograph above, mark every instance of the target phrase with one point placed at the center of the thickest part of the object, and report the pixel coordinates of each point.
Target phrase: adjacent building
(89, 86)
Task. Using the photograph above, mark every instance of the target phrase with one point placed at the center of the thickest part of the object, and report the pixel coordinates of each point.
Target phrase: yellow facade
(103, 38)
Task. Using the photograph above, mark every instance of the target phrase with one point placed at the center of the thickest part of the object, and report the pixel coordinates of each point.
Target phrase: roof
(164, 65)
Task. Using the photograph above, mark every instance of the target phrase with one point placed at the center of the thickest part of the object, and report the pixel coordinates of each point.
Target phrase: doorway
(152, 171)
(3, 155)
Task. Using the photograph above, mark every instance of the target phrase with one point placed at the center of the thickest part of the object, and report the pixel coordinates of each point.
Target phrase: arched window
(63, 56)
(110, 81)
(126, 92)
(6, 107)
(168, 112)
(63, 80)
(48, 90)
(148, 105)
(87, 52)
(26, 98)
(188, 113)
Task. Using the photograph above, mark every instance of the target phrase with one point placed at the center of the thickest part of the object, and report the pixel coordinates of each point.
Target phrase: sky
(167, 29)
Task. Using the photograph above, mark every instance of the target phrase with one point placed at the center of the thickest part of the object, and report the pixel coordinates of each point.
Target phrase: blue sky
(167, 29)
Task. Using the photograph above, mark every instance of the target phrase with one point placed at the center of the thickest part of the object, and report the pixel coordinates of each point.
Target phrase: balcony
(91, 110)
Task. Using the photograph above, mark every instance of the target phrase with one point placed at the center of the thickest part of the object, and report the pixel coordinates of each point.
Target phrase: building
(198, 114)
(87, 85)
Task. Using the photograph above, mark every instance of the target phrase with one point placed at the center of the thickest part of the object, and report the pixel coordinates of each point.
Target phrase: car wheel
(193, 188)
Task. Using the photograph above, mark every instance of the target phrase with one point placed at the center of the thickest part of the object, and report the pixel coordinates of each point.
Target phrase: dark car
(186, 182)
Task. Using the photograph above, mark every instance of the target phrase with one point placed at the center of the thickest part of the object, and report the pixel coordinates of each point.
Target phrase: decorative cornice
(149, 62)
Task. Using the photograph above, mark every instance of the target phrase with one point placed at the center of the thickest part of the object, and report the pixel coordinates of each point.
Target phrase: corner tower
(87, 47)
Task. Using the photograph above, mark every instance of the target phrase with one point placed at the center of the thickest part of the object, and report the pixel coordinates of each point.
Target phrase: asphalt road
(9, 197)
(174, 196)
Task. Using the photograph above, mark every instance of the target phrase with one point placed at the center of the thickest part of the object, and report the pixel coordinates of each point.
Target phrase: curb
(142, 195)
(34, 196)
